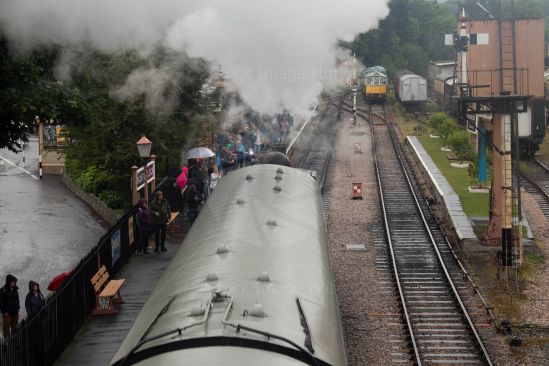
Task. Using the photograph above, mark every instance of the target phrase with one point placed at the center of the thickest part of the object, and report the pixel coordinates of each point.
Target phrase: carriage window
(370, 81)
(383, 81)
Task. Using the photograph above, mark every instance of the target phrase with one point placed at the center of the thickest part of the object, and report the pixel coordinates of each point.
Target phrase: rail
(392, 252)
(455, 294)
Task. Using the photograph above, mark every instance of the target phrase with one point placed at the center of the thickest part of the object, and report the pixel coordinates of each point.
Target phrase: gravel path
(537, 290)
(365, 306)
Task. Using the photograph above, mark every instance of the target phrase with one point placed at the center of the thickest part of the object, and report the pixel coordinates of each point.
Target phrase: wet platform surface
(101, 336)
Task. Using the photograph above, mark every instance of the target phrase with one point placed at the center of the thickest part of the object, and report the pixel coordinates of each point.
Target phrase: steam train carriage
(374, 81)
(410, 89)
(251, 284)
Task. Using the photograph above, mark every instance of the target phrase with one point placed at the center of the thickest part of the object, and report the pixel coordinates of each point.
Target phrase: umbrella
(199, 153)
(58, 281)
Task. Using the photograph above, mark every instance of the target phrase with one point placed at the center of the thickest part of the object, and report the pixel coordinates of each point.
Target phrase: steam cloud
(278, 53)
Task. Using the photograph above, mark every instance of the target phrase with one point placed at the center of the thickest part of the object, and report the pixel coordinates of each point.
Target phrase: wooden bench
(107, 293)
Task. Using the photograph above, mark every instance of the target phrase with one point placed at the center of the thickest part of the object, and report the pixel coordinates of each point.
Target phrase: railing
(492, 82)
(42, 337)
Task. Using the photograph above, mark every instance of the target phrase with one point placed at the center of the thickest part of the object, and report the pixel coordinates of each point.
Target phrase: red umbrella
(58, 281)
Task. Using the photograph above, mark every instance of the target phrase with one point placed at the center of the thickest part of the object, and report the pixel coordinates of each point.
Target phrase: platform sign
(115, 246)
(151, 173)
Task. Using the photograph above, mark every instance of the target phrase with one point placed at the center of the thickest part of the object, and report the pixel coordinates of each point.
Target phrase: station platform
(101, 336)
(461, 223)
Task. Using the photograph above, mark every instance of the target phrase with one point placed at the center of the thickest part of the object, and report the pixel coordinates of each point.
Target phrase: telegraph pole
(355, 89)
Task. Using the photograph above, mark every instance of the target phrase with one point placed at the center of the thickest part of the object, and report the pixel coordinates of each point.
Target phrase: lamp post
(144, 149)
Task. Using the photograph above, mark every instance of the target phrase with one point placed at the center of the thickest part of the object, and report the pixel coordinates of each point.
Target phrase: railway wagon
(250, 285)
(410, 88)
(374, 80)
(443, 91)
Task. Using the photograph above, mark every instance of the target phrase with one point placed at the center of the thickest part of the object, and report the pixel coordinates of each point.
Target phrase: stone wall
(108, 214)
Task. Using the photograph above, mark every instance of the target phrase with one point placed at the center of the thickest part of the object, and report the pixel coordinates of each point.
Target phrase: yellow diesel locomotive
(374, 84)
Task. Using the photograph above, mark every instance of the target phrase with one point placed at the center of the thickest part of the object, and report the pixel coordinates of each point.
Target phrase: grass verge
(474, 204)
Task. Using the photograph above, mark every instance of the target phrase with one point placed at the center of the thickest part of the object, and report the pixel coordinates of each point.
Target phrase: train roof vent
(277, 188)
(249, 177)
(264, 277)
(212, 276)
(278, 177)
(198, 310)
(279, 171)
(222, 249)
(272, 223)
(240, 201)
(257, 311)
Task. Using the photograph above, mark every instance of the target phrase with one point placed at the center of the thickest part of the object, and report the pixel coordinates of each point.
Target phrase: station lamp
(144, 147)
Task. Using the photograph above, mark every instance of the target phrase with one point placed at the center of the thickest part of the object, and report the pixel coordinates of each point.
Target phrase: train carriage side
(410, 88)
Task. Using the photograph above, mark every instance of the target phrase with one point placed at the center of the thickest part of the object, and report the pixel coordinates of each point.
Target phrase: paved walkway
(101, 336)
(44, 228)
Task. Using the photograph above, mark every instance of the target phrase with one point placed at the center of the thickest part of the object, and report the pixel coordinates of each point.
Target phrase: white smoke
(278, 53)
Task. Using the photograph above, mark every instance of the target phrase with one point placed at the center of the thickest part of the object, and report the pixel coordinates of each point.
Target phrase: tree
(436, 119)
(446, 128)
(461, 145)
(28, 90)
(410, 36)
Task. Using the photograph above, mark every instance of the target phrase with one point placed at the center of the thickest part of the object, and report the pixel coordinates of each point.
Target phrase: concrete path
(44, 228)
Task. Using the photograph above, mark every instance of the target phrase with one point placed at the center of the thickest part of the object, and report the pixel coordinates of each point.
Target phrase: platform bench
(107, 293)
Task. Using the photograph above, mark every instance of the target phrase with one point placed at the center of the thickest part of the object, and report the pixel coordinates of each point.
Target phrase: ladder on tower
(508, 62)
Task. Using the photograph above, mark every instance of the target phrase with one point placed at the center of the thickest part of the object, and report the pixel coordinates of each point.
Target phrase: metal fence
(42, 337)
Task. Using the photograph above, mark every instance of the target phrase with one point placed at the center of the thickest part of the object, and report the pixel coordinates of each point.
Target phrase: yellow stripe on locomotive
(376, 89)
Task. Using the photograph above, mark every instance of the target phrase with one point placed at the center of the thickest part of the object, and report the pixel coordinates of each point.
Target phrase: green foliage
(473, 169)
(112, 199)
(86, 180)
(431, 106)
(27, 90)
(103, 127)
(436, 120)
(446, 128)
(408, 38)
(461, 145)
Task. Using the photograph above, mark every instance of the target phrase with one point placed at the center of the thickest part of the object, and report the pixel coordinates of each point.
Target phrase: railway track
(439, 327)
(536, 182)
(318, 154)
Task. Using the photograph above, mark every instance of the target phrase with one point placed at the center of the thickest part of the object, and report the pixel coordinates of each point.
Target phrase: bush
(87, 178)
(446, 128)
(431, 107)
(111, 198)
(436, 119)
(461, 145)
(74, 168)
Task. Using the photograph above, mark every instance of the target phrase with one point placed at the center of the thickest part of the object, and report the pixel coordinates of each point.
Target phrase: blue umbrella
(199, 153)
